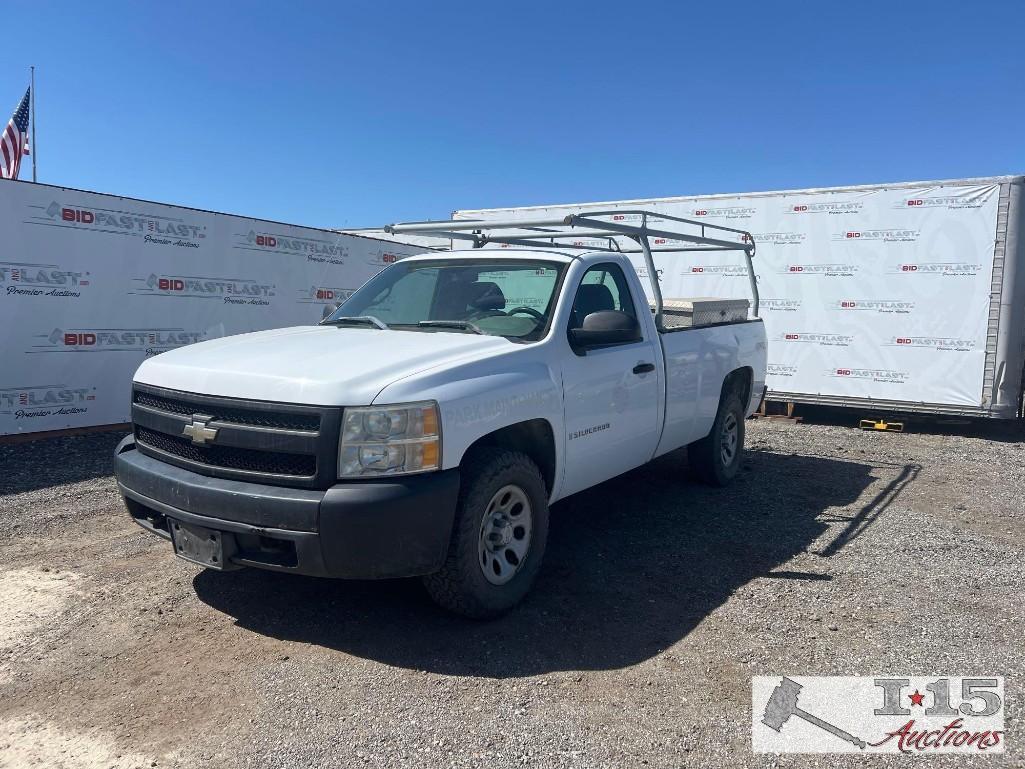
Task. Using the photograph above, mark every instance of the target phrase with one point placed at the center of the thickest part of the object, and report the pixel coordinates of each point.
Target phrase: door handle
(644, 368)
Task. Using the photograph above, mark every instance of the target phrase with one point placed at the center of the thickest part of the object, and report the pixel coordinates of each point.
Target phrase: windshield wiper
(366, 320)
(464, 324)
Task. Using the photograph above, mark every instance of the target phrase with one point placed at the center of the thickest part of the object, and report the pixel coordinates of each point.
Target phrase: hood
(318, 365)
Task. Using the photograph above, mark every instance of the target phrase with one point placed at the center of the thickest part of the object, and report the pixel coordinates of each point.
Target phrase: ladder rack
(548, 233)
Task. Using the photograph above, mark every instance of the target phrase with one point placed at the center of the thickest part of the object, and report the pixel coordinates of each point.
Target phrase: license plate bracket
(198, 544)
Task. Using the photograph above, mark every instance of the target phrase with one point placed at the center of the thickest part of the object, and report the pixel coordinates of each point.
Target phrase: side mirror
(605, 327)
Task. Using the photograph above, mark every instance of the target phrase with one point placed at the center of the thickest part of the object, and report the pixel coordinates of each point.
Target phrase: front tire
(716, 458)
(499, 535)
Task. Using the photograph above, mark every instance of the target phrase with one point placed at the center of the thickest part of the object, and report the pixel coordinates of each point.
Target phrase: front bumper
(375, 529)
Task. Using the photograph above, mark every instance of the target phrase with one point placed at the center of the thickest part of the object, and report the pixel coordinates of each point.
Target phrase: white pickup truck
(426, 426)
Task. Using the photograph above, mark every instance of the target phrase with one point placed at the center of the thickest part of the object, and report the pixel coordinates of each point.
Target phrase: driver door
(611, 392)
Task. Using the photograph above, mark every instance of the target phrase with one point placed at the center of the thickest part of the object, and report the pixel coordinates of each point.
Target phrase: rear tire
(716, 458)
(499, 535)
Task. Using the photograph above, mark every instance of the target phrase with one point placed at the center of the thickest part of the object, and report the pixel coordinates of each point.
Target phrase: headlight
(389, 440)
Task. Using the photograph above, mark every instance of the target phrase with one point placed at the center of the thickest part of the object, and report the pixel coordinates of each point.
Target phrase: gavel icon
(783, 703)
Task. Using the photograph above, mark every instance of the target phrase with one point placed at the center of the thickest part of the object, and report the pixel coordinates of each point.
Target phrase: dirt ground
(837, 552)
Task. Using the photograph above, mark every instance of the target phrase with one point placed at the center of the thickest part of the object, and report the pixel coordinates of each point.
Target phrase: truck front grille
(228, 457)
(274, 443)
(226, 413)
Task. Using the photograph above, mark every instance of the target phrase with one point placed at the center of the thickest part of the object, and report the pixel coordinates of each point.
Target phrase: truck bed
(696, 364)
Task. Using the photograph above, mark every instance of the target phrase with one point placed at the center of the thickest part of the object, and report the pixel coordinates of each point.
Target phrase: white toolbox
(702, 311)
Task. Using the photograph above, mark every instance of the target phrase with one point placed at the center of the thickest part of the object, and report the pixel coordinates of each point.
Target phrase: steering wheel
(528, 310)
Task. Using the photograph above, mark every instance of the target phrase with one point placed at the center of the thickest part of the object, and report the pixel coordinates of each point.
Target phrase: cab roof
(505, 254)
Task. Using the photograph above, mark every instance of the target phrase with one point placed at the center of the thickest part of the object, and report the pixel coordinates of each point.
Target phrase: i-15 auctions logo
(228, 290)
(34, 279)
(151, 341)
(909, 715)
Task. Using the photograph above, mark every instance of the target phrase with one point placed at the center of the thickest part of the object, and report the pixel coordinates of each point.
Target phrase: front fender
(484, 396)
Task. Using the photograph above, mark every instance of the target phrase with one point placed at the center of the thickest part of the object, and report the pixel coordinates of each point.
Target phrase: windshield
(513, 299)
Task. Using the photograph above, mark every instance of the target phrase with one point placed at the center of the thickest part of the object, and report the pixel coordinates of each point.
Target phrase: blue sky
(360, 113)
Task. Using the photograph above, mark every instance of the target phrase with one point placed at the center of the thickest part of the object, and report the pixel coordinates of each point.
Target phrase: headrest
(593, 297)
(485, 295)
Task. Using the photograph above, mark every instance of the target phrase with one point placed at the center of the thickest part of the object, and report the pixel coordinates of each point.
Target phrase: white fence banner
(91, 285)
(880, 293)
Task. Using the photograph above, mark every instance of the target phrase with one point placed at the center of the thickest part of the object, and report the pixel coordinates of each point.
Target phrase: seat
(591, 297)
(461, 299)
(453, 298)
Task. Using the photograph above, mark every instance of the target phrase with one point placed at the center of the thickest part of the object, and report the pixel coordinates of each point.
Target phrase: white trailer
(904, 297)
(91, 285)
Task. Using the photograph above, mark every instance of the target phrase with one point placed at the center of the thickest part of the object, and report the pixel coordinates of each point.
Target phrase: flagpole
(32, 85)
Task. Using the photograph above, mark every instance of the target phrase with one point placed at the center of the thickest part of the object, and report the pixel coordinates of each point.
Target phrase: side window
(603, 287)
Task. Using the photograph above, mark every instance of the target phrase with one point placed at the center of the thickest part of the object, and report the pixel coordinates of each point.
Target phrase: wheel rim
(505, 535)
(728, 444)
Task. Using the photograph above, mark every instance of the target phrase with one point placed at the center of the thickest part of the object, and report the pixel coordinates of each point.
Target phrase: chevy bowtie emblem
(198, 431)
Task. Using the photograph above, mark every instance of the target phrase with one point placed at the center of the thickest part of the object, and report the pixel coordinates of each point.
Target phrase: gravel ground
(837, 552)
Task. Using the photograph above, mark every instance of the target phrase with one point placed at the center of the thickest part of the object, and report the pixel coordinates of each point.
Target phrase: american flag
(14, 141)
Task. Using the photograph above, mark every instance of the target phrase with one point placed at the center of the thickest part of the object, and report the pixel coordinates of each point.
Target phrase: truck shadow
(632, 567)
